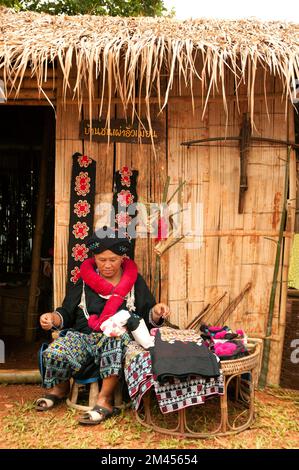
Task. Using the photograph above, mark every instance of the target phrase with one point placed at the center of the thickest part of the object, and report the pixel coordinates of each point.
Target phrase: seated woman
(109, 283)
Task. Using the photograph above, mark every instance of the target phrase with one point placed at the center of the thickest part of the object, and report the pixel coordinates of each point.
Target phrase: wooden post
(37, 238)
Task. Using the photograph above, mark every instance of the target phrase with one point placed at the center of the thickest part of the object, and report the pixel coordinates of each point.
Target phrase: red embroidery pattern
(81, 214)
(79, 252)
(82, 185)
(75, 274)
(82, 208)
(84, 161)
(125, 198)
(126, 174)
(123, 219)
(80, 230)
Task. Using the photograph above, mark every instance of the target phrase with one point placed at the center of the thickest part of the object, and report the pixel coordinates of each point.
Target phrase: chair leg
(74, 392)
(223, 408)
(93, 394)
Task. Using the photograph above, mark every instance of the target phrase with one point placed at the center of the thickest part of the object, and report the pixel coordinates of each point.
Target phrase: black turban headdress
(108, 239)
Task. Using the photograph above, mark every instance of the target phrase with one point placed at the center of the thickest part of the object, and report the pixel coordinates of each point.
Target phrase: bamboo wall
(236, 248)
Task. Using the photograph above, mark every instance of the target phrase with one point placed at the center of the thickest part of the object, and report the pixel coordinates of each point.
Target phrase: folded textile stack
(179, 355)
(180, 369)
(224, 342)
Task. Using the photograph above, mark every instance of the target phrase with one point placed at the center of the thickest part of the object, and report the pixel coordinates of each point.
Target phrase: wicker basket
(236, 366)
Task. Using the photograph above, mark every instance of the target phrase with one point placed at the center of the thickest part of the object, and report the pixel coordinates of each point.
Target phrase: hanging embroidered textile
(83, 184)
(124, 195)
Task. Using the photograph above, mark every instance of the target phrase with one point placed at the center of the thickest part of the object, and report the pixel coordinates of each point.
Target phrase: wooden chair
(80, 383)
(94, 386)
(77, 385)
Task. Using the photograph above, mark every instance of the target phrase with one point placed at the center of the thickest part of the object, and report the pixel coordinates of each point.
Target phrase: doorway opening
(27, 167)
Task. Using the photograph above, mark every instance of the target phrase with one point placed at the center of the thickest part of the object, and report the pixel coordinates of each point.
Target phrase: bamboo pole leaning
(267, 341)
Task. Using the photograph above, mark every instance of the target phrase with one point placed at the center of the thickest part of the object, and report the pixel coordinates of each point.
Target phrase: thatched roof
(126, 48)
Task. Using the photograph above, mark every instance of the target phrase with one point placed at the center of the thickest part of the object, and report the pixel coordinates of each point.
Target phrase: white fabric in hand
(114, 326)
(142, 336)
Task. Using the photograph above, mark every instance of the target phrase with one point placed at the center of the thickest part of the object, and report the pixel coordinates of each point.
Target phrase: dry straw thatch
(130, 55)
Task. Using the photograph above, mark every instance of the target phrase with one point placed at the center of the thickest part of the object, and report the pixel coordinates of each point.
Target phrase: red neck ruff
(103, 287)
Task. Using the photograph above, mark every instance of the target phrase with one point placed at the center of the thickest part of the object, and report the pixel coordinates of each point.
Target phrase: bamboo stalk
(156, 275)
(266, 351)
(15, 376)
(198, 317)
(206, 312)
(232, 306)
(180, 186)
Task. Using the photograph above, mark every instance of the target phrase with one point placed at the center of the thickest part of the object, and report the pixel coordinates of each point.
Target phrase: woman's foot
(56, 395)
(105, 402)
(98, 414)
(47, 402)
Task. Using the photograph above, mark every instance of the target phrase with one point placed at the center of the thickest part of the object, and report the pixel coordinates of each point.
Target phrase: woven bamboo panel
(241, 251)
(236, 248)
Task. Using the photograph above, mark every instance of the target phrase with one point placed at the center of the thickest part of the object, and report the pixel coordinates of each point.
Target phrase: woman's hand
(160, 310)
(48, 320)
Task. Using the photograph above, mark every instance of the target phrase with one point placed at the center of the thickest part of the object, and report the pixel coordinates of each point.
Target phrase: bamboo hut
(219, 95)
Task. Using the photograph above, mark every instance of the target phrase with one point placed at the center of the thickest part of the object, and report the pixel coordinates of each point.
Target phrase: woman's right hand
(46, 321)
(50, 319)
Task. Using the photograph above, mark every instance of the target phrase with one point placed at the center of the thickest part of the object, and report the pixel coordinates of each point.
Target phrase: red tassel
(162, 230)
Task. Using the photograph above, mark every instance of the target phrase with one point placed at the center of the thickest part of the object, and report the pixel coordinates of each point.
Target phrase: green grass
(276, 426)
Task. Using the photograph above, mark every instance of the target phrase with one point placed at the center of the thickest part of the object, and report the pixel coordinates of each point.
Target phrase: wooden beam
(242, 233)
(24, 102)
(179, 99)
(26, 93)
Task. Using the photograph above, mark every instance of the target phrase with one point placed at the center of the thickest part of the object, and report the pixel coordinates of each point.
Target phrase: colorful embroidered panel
(125, 194)
(83, 184)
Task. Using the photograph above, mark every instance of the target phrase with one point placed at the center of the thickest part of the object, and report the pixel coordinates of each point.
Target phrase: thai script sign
(120, 130)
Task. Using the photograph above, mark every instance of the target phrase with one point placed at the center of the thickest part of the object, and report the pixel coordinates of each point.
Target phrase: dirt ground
(276, 426)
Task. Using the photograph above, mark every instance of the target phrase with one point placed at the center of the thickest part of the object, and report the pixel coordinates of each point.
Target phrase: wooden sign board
(120, 130)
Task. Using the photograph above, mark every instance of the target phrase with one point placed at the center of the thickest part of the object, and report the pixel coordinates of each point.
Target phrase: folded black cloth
(181, 359)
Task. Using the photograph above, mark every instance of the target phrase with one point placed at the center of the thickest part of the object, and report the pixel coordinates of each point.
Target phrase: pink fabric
(215, 328)
(154, 331)
(225, 349)
(220, 334)
(103, 287)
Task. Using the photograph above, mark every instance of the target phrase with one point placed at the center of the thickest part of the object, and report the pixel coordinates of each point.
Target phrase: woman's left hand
(160, 310)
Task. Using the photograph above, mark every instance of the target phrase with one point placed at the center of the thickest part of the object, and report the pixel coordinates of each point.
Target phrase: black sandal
(97, 415)
(50, 401)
